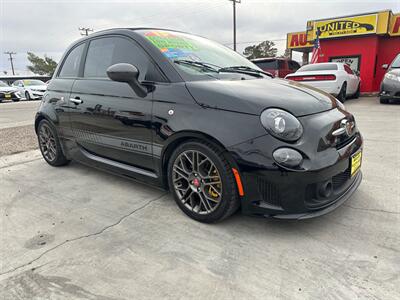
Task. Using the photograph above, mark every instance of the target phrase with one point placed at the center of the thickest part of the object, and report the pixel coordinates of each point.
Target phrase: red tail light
(312, 77)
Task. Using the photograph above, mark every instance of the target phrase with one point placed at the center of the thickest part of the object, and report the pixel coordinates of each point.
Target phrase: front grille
(268, 192)
(340, 179)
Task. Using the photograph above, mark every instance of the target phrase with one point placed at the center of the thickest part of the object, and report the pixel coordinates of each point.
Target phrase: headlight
(288, 157)
(281, 124)
(392, 76)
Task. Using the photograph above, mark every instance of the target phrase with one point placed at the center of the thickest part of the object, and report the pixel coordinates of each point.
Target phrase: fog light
(288, 157)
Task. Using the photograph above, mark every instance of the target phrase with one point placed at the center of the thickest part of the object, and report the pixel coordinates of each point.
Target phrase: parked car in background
(31, 89)
(279, 67)
(8, 92)
(337, 79)
(390, 86)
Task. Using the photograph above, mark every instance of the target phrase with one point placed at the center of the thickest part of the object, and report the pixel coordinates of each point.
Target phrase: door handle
(76, 100)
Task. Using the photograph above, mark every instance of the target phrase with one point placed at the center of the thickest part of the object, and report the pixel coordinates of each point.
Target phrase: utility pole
(10, 54)
(234, 22)
(85, 30)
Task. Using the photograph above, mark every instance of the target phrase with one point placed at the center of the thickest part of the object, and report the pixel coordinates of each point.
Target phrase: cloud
(45, 26)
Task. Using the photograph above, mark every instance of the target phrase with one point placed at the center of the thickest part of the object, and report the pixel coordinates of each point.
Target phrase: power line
(234, 22)
(85, 30)
(10, 54)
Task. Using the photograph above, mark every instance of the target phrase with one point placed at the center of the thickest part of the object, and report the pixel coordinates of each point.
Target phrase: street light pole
(234, 22)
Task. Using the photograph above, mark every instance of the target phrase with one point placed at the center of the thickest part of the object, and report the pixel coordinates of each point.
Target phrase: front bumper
(9, 96)
(273, 191)
(36, 94)
(390, 89)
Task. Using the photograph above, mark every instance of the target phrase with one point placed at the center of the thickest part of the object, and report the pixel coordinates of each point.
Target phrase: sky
(49, 26)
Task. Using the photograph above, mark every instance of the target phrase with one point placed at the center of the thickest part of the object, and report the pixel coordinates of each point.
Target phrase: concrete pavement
(78, 233)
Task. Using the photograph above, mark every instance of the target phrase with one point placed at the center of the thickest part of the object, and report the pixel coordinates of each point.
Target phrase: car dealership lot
(75, 232)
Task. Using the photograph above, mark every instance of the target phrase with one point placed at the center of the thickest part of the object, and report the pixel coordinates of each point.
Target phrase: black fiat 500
(192, 116)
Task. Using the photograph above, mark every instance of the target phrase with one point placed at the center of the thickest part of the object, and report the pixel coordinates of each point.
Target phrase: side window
(348, 69)
(108, 51)
(294, 66)
(70, 67)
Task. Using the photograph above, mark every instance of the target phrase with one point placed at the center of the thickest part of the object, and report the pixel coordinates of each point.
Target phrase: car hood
(394, 71)
(253, 96)
(36, 87)
(7, 89)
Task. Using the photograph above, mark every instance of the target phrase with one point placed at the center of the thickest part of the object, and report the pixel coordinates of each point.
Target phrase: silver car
(390, 86)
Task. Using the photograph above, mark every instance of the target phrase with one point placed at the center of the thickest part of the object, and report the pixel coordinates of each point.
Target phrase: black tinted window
(70, 67)
(319, 67)
(268, 64)
(293, 65)
(108, 51)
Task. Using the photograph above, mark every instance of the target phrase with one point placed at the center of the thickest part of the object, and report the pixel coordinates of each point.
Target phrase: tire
(357, 93)
(383, 100)
(27, 96)
(50, 146)
(15, 100)
(342, 94)
(224, 196)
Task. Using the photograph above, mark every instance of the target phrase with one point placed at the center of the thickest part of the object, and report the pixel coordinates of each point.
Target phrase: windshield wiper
(245, 70)
(201, 65)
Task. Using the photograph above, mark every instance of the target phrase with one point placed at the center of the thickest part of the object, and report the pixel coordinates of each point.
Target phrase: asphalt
(78, 233)
(14, 114)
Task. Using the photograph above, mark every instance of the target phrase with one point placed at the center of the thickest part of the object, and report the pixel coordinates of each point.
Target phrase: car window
(348, 69)
(104, 52)
(319, 67)
(396, 62)
(294, 66)
(267, 64)
(70, 67)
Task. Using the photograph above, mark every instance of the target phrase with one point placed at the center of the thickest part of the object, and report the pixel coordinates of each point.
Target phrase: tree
(264, 49)
(41, 66)
(286, 54)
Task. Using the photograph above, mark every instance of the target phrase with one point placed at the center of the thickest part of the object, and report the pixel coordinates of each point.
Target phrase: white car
(8, 93)
(31, 89)
(337, 79)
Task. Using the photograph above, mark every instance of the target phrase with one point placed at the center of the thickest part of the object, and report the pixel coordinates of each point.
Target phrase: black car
(192, 116)
(390, 86)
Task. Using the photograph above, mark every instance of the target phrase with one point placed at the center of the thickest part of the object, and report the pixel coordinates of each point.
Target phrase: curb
(19, 158)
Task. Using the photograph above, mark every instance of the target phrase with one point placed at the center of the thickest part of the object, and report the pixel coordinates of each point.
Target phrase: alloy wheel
(197, 182)
(47, 143)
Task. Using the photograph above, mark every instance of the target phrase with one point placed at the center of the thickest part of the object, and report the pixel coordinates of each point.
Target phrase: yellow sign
(296, 40)
(357, 25)
(394, 29)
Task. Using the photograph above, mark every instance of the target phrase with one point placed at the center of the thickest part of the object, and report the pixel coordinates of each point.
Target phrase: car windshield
(396, 62)
(3, 84)
(318, 67)
(33, 82)
(197, 57)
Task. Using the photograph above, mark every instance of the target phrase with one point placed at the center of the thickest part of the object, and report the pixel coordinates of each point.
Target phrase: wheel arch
(181, 137)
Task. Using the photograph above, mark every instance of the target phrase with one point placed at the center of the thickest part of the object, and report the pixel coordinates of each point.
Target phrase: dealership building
(365, 42)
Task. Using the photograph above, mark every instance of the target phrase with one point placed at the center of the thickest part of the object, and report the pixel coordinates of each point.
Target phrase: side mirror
(385, 66)
(127, 73)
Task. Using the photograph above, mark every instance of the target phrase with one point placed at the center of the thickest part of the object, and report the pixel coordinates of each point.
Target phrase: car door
(59, 89)
(107, 118)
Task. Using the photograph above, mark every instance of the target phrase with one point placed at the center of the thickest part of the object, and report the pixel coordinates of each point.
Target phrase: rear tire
(383, 100)
(201, 180)
(49, 145)
(357, 94)
(342, 94)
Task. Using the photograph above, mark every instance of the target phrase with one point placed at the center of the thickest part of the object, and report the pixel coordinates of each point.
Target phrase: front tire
(49, 144)
(383, 100)
(27, 96)
(342, 94)
(201, 180)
